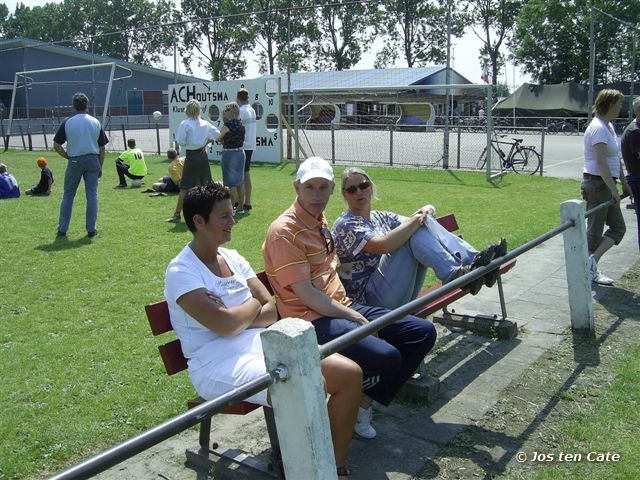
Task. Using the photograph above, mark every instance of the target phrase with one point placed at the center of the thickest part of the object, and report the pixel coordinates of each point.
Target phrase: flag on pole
(485, 74)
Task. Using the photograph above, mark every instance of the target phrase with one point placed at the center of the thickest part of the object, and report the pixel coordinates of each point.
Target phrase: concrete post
(576, 255)
(299, 402)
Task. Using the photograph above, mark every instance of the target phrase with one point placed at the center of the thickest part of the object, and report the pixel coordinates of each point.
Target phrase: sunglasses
(354, 188)
(329, 244)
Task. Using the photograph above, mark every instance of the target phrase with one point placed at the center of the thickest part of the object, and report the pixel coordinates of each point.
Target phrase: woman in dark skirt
(193, 135)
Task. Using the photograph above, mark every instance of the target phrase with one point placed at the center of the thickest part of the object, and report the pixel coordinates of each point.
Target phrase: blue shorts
(232, 163)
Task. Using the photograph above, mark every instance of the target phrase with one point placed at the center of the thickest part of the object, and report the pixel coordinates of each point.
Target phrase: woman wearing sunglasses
(384, 256)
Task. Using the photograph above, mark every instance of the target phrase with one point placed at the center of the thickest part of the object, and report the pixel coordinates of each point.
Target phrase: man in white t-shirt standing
(248, 119)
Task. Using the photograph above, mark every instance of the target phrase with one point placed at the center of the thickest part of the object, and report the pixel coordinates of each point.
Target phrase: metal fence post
(124, 136)
(44, 134)
(333, 143)
(544, 131)
(391, 144)
(299, 402)
(576, 255)
(158, 137)
(458, 149)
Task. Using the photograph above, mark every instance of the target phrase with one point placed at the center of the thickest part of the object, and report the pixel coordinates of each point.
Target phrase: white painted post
(299, 402)
(576, 256)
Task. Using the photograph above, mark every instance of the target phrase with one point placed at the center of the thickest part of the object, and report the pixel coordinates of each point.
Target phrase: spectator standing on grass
(219, 307)
(301, 264)
(232, 160)
(193, 136)
(85, 152)
(8, 184)
(131, 164)
(171, 183)
(46, 180)
(602, 169)
(248, 119)
(630, 147)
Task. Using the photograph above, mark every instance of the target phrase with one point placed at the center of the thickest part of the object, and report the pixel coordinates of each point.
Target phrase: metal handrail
(139, 443)
(153, 436)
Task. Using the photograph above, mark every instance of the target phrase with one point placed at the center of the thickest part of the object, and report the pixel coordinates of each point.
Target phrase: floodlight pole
(592, 67)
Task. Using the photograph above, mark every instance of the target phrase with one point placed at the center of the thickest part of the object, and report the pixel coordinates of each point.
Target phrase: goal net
(41, 99)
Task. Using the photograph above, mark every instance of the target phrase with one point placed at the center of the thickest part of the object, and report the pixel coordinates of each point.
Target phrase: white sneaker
(602, 279)
(595, 275)
(363, 424)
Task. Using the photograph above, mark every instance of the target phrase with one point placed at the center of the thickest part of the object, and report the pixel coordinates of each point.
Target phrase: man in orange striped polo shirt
(301, 263)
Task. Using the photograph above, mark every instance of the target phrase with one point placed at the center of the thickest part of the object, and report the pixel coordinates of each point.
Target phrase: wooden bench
(482, 323)
(502, 327)
(175, 362)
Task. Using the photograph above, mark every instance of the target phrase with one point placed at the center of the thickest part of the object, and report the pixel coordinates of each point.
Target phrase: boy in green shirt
(131, 164)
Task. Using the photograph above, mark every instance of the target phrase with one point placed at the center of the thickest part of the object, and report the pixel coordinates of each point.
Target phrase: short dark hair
(80, 101)
(243, 95)
(201, 199)
(131, 143)
(172, 154)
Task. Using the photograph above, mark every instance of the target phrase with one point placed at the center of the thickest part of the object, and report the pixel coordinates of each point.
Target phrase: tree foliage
(218, 39)
(493, 22)
(284, 29)
(343, 33)
(124, 29)
(416, 30)
(551, 40)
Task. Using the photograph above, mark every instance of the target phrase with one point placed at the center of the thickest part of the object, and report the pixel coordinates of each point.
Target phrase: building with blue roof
(139, 90)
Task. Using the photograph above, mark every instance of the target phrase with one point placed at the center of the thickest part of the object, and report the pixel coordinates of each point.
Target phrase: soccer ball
(157, 115)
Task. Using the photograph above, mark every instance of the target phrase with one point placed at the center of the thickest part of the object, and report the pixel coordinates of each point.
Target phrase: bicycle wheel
(482, 160)
(568, 129)
(525, 160)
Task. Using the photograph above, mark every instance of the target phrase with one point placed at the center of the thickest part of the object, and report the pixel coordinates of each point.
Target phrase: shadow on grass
(178, 228)
(475, 442)
(63, 243)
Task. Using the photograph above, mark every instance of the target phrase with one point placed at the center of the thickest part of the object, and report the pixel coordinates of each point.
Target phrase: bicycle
(521, 159)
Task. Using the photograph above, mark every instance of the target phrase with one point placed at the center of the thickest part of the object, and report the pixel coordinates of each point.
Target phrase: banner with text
(264, 97)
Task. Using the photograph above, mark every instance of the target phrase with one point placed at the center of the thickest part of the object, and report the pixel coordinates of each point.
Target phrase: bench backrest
(171, 353)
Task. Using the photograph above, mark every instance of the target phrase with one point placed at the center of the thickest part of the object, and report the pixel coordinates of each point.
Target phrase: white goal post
(28, 81)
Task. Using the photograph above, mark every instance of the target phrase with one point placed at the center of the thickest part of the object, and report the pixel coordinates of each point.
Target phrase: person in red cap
(46, 180)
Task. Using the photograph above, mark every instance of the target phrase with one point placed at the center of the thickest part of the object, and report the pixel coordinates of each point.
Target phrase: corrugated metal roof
(72, 52)
(379, 77)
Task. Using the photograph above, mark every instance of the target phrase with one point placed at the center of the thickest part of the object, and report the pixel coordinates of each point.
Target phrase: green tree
(217, 36)
(283, 32)
(551, 39)
(343, 33)
(125, 29)
(493, 21)
(416, 30)
(4, 14)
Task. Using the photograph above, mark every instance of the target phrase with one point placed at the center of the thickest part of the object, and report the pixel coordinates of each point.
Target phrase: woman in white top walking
(602, 169)
(193, 135)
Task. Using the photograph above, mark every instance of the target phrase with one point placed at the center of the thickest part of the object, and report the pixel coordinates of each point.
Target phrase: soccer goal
(47, 93)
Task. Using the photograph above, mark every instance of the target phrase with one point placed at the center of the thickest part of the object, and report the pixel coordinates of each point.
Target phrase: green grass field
(79, 367)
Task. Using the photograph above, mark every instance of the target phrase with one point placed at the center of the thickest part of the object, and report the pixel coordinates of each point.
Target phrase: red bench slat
(173, 357)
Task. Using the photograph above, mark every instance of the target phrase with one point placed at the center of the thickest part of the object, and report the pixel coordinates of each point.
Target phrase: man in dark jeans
(85, 141)
(300, 262)
(630, 147)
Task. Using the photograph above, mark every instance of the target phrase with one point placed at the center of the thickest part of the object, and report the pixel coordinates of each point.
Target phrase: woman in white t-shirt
(602, 169)
(193, 136)
(218, 308)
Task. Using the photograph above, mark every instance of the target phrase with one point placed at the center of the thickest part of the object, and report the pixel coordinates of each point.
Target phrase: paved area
(473, 372)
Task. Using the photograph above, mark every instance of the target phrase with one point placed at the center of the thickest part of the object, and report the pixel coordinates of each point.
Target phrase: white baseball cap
(314, 167)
